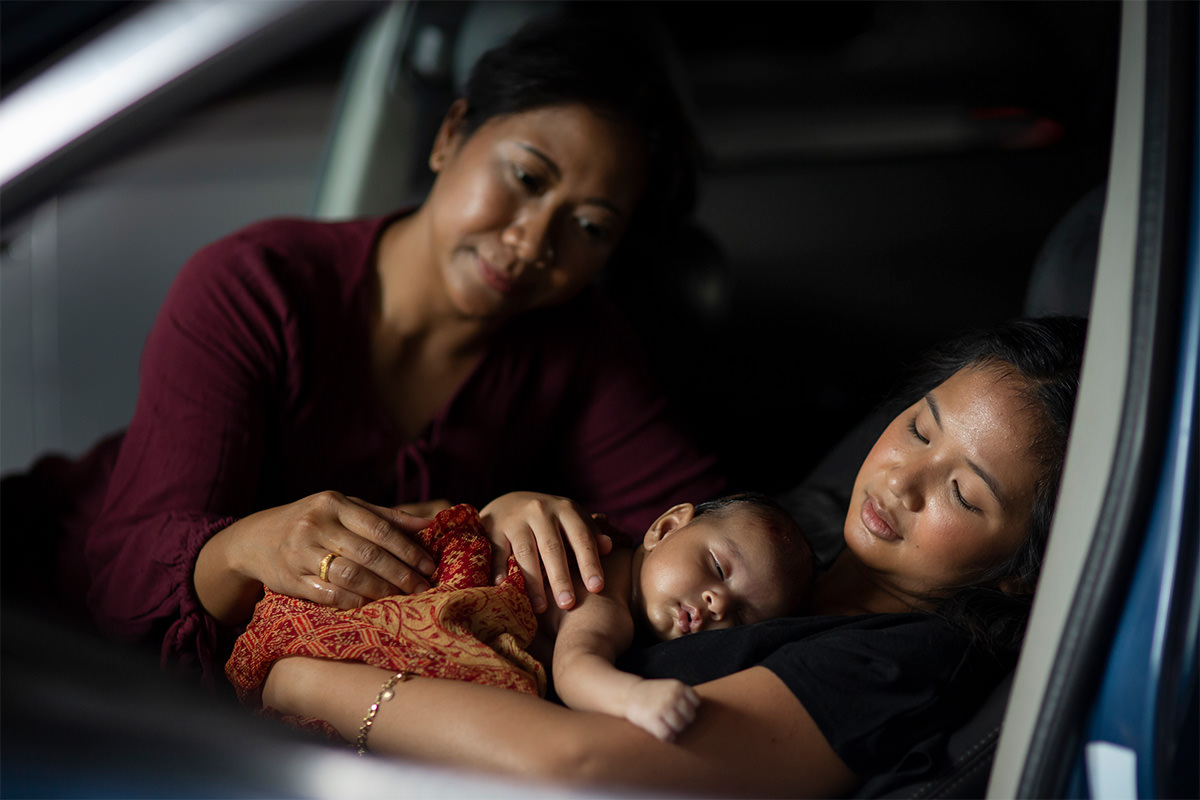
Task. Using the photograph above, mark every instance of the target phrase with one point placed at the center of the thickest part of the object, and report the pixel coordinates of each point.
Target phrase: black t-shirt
(884, 689)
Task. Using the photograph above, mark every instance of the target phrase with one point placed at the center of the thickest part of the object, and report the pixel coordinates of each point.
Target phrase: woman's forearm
(752, 736)
(226, 594)
(433, 721)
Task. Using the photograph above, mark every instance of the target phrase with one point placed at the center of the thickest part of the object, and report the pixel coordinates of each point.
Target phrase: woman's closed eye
(912, 428)
(954, 487)
(594, 230)
(527, 179)
(962, 500)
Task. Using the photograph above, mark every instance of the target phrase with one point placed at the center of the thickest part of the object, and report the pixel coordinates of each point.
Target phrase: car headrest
(486, 25)
(403, 74)
(1063, 272)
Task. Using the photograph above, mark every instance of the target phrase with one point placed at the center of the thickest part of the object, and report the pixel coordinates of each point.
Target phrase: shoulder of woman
(294, 238)
(913, 658)
(283, 256)
(914, 635)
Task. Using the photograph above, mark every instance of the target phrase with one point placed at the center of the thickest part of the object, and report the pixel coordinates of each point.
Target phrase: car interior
(877, 176)
(869, 169)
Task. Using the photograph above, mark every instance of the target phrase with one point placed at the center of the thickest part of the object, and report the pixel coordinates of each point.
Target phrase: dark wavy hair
(1044, 355)
(615, 67)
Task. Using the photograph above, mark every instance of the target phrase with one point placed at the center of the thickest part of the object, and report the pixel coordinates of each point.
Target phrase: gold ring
(325, 562)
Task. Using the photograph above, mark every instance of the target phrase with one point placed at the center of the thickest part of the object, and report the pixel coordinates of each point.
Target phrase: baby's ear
(672, 520)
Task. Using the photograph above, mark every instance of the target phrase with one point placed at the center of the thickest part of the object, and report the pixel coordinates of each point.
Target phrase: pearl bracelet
(385, 694)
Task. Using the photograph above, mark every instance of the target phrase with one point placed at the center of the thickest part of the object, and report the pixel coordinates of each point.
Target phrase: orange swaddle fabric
(464, 628)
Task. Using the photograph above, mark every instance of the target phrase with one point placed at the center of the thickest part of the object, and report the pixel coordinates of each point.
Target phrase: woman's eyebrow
(557, 173)
(987, 477)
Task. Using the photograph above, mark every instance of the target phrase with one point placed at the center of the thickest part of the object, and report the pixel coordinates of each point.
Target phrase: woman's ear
(672, 520)
(449, 135)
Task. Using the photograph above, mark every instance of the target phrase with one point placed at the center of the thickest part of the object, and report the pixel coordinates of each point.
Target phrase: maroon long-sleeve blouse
(255, 391)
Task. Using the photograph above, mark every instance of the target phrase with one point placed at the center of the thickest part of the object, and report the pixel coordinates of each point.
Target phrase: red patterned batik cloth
(464, 628)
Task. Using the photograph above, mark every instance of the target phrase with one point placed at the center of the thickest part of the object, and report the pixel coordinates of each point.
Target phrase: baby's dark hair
(791, 549)
(613, 66)
(1045, 356)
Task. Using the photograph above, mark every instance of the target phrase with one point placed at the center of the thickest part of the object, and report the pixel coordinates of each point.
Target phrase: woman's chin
(856, 536)
(483, 304)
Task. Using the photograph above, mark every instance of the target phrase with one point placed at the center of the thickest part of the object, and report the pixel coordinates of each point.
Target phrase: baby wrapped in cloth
(464, 628)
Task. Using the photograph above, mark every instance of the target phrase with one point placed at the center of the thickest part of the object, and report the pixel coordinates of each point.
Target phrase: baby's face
(718, 571)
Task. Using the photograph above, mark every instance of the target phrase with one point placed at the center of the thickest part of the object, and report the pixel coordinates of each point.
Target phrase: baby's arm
(590, 637)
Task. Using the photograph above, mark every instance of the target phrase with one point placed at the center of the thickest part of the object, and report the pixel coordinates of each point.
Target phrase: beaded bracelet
(385, 694)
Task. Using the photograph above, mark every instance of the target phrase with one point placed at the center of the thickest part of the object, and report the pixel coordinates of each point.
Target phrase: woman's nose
(529, 237)
(904, 481)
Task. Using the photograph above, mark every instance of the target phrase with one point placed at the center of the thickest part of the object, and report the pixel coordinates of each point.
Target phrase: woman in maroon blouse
(304, 382)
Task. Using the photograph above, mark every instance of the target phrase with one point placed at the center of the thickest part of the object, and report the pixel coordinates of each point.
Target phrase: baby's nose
(716, 603)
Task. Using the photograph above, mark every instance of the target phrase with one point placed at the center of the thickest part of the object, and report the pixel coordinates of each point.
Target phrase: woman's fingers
(393, 530)
(585, 541)
(542, 532)
(523, 546)
(550, 534)
(550, 545)
(500, 553)
(330, 591)
(385, 545)
(374, 554)
(345, 584)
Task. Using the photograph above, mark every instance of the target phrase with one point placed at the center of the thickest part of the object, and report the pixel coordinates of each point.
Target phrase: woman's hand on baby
(537, 529)
(373, 552)
(662, 708)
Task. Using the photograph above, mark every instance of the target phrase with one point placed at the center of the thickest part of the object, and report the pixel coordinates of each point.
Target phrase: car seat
(403, 73)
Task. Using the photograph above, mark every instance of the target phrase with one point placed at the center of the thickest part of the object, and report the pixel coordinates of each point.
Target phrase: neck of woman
(410, 309)
(421, 351)
(848, 588)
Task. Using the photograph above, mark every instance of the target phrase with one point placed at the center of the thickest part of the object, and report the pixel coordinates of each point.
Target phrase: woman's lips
(501, 282)
(875, 521)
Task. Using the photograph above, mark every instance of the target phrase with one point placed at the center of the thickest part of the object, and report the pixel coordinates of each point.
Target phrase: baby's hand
(663, 708)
